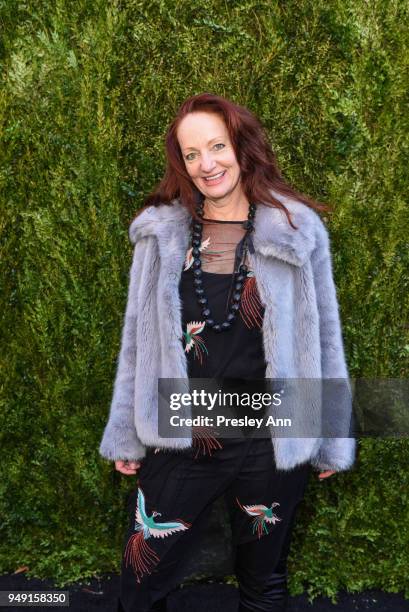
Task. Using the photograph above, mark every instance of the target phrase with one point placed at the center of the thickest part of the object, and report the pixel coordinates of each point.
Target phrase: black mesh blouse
(238, 352)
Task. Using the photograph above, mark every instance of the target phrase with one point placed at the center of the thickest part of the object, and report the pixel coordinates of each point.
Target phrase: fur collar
(273, 235)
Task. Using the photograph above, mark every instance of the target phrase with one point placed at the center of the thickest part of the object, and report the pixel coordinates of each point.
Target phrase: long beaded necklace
(238, 276)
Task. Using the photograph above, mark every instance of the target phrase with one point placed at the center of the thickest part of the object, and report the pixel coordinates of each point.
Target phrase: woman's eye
(191, 156)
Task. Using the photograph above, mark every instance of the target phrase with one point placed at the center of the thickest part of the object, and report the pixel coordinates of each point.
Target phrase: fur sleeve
(335, 453)
(120, 440)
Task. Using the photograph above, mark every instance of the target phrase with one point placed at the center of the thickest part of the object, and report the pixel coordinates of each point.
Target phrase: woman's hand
(129, 468)
(323, 475)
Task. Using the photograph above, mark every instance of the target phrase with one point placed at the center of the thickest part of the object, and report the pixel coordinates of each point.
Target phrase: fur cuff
(121, 443)
(337, 454)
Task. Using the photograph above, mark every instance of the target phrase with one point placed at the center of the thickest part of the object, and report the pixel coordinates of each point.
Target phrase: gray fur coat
(302, 335)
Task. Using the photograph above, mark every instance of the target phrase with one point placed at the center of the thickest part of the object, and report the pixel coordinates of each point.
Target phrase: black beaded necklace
(238, 276)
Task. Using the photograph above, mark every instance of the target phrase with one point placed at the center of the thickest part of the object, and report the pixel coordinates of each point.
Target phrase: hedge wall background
(88, 89)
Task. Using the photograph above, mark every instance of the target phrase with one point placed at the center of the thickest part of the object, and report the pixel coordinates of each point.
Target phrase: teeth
(207, 178)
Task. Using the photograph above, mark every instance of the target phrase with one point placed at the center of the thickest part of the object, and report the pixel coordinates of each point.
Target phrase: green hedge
(88, 91)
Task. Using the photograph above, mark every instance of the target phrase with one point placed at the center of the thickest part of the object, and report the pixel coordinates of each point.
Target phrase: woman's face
(208, 154)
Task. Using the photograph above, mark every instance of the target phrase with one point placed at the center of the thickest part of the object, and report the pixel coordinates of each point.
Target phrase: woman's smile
(214, 179)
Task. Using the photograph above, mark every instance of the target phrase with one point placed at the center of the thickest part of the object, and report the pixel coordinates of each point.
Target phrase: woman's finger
(323, 475)
(127, 467)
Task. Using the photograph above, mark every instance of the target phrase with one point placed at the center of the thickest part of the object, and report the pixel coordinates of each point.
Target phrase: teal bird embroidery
(138, 553)
(204, 440)
(261, 516)
(192, 338)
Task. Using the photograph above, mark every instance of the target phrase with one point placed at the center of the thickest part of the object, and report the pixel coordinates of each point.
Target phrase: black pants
(170, 507)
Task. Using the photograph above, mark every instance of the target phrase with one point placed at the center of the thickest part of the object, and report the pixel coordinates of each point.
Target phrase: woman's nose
(207, 163)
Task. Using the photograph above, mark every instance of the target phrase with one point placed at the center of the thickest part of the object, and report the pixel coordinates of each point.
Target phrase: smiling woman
(212, 165)
(223, 285)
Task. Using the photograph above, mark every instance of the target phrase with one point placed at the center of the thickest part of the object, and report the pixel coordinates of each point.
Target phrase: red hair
(259, 169)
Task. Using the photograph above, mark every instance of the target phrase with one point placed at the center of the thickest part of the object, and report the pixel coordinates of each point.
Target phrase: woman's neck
(226, 212)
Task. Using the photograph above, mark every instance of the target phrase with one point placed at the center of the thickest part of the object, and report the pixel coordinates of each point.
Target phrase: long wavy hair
(258, 164)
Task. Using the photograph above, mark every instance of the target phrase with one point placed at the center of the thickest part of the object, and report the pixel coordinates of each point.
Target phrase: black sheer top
(238, 352)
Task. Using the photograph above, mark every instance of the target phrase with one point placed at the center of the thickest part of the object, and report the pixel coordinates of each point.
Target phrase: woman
(231, 279)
